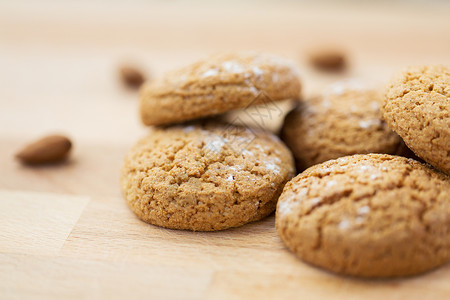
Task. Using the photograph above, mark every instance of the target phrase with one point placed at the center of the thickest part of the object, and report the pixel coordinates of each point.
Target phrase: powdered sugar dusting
(273, 167)
(259, 148)
(374, 105)
(209, 73)
(253, 90)
(331, 183)
(275, 77)
(342, 159)
(232, 67)
(257, 71)
(364, 168)
(189, 128)
(316, 200)
(236, 168)
(364, 210)
(230, 178)
(288, 204)
(325, 103)
(374, 176)
(344, 224)
(215, 145)
(245, 152)
(340, 87)
(359, 220)
(276, 159)
(369, 123)
(302, 192)
(278, 61)
(284, 207)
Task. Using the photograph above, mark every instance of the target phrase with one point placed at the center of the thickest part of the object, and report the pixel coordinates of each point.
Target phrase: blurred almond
(328, 59)
(50, 149)
(131, 76)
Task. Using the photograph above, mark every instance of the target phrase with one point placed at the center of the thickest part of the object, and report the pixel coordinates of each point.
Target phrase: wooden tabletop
(66, 232)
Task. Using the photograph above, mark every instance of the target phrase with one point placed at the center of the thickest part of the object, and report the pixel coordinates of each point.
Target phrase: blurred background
(65, 230)
(59, 59)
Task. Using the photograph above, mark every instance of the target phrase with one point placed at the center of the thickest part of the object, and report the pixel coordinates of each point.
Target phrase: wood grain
(66, 232)
(37, 223)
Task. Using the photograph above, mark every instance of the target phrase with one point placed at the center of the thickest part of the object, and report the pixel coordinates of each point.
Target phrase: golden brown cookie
(373, 215)
(345, 119)
(417, 107)
(205, 177)
(216, 85)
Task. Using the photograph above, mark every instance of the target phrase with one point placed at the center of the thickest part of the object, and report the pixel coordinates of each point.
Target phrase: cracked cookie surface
(417, 107)
(216, 85)
(205, 177)
(345, 119)
(373, 215)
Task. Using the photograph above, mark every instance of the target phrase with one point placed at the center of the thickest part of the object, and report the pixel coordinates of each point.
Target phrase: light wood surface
(66, 232)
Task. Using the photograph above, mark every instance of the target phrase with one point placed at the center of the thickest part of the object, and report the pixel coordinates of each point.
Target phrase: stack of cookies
(206, 175)
(350, 211)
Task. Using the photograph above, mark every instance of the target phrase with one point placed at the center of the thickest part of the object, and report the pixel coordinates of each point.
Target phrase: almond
(328, 59)
(50, 149)
(131, 76)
